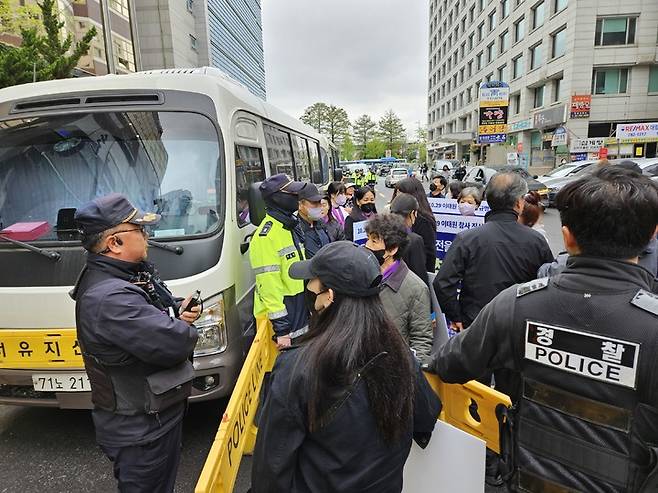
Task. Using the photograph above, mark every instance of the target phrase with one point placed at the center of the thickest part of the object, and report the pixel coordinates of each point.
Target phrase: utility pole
(107, 37)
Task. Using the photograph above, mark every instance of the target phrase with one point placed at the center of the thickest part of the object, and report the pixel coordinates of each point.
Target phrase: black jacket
(486, 260)
(426, 229)
(414, 257)
(355, 216)
(346, 456)
(335, 230)
(597, 303)
(316, 236)
(117, 322)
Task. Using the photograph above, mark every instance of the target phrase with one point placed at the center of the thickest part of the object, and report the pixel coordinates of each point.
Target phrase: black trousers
(151, 467)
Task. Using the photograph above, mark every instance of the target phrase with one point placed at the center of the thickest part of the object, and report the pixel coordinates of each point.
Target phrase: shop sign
(581, 105)
(549, 118)
(494, 104)
(637, 132)
(559, 137)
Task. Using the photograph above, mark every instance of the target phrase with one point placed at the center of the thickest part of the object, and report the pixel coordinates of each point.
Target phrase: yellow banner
(500, 128)
(39, 348)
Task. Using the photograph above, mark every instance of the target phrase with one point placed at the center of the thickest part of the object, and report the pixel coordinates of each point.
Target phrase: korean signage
(637, 132)
(521, 125)
(587, 145)
(549, 118)
(27, 348)
(559, 137)
(359, 233)
(580, 106)
(494, 103)
(449, 222)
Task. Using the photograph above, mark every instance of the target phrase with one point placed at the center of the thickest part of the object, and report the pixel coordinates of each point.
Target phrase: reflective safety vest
(580, 424)
(272, 251)
(371, 177)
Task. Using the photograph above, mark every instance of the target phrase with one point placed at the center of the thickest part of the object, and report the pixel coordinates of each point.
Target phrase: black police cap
(280, 182)
(108, 211)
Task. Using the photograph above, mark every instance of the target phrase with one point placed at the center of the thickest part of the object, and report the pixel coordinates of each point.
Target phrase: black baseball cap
(344, 267)
(280, 182)
(404, 203)
(310, 192)
(105, 212)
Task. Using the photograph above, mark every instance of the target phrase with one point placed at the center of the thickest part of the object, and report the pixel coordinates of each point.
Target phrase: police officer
(136, 345)
(278, 243)
(577, 352)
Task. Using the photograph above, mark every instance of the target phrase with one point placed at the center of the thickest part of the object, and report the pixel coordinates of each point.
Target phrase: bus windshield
(165, 162)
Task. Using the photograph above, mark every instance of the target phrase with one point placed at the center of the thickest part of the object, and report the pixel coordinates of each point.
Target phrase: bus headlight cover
(212, 329)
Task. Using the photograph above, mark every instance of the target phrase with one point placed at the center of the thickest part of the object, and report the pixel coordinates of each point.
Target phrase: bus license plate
(61, 382)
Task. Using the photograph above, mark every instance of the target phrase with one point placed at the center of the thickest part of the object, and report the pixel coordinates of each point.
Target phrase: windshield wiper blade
(178, 250)
(49, 254)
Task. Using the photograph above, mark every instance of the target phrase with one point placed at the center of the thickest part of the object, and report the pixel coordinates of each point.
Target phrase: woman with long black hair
(425, 225)
(364, 208)
(344, 403)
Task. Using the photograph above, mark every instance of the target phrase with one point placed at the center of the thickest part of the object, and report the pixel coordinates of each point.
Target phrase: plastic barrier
(237, 433)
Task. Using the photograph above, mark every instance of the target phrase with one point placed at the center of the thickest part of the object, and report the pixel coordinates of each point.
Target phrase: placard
(359, 235)
(449, 222)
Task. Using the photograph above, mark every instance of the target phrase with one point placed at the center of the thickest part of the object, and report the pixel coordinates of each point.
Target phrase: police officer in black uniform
(577, 353)
(136, 344)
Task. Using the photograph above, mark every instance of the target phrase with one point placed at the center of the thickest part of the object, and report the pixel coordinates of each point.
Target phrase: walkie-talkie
(194, 301)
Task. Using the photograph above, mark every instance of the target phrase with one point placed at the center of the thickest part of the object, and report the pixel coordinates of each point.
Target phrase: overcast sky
(364, 55)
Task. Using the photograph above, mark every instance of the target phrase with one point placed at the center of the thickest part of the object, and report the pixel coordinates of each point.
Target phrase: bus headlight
(212, 329)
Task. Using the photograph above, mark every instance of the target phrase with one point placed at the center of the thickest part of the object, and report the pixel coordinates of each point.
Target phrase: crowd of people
(333, 372)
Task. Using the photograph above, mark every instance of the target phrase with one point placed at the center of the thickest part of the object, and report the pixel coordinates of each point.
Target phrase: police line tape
(237, 433)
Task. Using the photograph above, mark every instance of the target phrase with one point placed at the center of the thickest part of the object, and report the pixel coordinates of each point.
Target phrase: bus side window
(279, 150)
(249, 168)
(316, 170)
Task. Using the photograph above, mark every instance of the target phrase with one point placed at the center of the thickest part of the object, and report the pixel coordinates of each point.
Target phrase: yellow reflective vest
(272, 251)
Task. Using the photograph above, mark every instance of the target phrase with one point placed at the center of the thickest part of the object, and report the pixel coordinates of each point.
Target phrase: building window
(517, 67)
(471, 13)
(491, 52)
(610, 81)
(120, 6)
(612, 31)
(461, 75)
(538, 99)
(653, 79)
(560, 5)
(471, 41)
(559, 41)
(519, 29)
(478, 61)
(504, 42)
(470, 68)
(483, 4)
(193, 42)
(492, 21)
(535, 56)
(502, 73)
(489, 77)
(190, 5)
(469, 95)
(504, 8)
(481, 32)
(557, 88)
(538, 15)
(516, 103)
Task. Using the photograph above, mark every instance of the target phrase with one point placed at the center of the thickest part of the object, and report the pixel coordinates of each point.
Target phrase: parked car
(562, 171)
(482, 175)
(394, 176)
(384, 169)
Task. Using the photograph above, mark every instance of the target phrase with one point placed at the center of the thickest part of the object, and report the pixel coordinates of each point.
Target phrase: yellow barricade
(237, 433)
(456, 401)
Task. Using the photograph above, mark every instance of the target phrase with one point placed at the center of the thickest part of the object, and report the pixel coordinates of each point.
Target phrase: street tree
(347, 148)
(391, 131)
(315, 116)
(364, 131)
(14, 16)
(337, 124)
(43, 54)
(375, 149)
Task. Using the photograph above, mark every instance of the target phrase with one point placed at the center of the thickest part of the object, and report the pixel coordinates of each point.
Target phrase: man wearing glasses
(137, 341)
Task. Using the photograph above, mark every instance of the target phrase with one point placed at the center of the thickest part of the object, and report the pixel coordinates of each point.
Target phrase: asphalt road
(47, 450)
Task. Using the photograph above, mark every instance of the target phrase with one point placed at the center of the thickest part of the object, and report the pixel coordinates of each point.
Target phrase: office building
(115, 53)
(602, 52)
(226, 34)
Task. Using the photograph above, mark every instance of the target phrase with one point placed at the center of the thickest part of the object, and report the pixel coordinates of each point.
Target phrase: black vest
(580, 423)
(129, 386)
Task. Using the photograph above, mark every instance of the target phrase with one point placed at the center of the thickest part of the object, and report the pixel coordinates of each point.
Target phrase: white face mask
(341, 199)
(314, 213)
(466, 209)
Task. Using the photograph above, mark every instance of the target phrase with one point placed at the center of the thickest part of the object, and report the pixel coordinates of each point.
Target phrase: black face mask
(433, 187)
(368, 208)
(379, 254)
(310, 297)
(288, 202)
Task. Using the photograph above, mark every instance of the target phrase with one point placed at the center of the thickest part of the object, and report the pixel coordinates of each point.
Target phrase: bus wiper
(50, 255)
(178, 250)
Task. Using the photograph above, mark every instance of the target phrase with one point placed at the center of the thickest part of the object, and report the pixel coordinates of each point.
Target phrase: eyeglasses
(140, 229)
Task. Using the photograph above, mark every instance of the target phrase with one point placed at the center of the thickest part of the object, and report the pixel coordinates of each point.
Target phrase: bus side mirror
(338, 175)
(256, 204)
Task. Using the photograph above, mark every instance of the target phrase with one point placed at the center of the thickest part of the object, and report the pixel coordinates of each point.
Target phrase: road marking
(381, 195)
